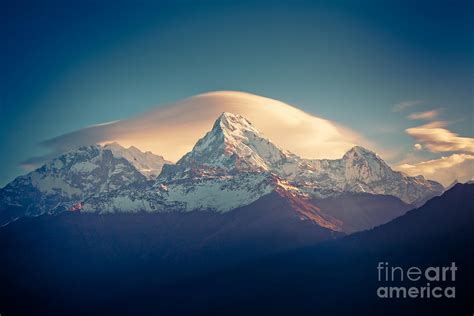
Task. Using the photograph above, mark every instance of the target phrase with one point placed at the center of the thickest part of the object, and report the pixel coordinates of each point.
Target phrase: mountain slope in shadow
(206, 263)
(361, 211)
(340, 277)
(75, 262)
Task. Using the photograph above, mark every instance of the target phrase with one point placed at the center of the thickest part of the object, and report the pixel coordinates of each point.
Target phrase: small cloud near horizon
(426, 115)
(418, 147)
(445, 170)
(435, 138)
(399, 107)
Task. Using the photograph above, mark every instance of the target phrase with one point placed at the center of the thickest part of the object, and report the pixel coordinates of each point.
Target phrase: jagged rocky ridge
(66, 181)
(234, 145)
(231, 166)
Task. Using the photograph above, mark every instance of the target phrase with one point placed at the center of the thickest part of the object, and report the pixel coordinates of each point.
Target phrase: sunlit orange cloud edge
(171, 131)
(435, 137)
(445, 170)
(457, 160)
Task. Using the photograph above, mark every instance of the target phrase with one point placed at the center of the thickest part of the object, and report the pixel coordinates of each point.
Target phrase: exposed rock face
(72, 178)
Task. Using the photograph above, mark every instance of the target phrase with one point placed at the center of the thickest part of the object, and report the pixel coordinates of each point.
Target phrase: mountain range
(238, 224)
(232, 166)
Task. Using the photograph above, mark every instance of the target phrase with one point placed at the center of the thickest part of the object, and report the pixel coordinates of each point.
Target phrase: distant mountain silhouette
(340, 277)
(203, 262)
(58, 263)
(361, 211)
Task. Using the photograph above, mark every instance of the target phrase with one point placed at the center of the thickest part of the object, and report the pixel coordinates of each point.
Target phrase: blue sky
(70, 64)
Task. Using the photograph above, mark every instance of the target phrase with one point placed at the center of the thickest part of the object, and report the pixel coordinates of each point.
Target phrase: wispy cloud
(427, 115)
(444, 170)
(418, 147)
(436, 138)
(405, 105)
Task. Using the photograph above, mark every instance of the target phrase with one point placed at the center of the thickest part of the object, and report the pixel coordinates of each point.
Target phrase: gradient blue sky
(70, 64)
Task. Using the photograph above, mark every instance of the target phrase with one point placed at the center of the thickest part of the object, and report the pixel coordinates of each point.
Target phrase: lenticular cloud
(172, 130)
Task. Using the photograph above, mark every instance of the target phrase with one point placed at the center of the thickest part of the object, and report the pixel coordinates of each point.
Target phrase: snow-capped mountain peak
(364, 165)
(233, 122)
(234, 144)
(67, 180)
(359, 151)
(149, 164)
(365, 171)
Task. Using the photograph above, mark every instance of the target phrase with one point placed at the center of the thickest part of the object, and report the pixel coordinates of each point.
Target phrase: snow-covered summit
(364, 165)
(147, 163)
(74, 177)
(359, 151)
(233, 144)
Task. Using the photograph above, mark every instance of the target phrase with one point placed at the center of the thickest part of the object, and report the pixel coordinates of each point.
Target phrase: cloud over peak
(171, 131)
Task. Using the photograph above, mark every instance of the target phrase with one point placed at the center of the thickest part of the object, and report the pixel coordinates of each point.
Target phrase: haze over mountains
(232, 166)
